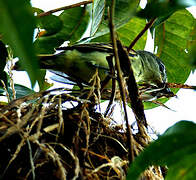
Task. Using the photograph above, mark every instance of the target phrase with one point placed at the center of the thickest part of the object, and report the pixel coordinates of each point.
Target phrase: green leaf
(17, 27)
(124, 11)
(176, 145)
(127, 34)
(77, 24)
(97, 11)
(158, 8)
(51, 23)
(192, 47)
(172, 39)
(184, 169)
(74, 24)
(20, 91)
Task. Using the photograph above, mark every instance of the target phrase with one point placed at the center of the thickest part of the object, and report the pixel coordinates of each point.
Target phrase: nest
(42, 139)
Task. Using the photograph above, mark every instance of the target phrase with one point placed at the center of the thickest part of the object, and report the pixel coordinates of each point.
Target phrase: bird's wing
(101, 47)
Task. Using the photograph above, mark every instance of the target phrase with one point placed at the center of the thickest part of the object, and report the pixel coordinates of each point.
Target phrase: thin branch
(177, 85)
(120, 80)
(64, 8)
(148, 25)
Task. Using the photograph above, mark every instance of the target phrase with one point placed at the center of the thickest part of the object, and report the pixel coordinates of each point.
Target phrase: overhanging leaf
(74, 24)
(127, 34)
(97, 11)
(52, 24)
(17, 27)
(158, 8)
(184, 169)
(169, 149)
(124, 11)
(172, 38)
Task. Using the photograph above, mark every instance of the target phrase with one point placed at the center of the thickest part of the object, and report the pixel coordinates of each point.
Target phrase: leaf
(160, 8)
(74, 24)
(124, 11)
(192, 47)
(3, 58)
(152, 10)
(97, 11)
(52, 24)
(184, 169)
(172, 38)
(17, 27)
(127, 34)
(20, 91)
(175, 145)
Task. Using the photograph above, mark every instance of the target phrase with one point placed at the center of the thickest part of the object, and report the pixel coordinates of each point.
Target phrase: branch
(120, 80)
(64, 8)
(177, 85)
(148, 25)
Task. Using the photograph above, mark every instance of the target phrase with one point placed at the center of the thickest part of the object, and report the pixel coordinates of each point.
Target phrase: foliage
(18, 18)
(173, 30)
(174, 149)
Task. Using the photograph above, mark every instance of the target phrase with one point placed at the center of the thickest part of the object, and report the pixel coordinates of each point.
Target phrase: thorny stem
(120, 80)
(64, 8)
(148, 25)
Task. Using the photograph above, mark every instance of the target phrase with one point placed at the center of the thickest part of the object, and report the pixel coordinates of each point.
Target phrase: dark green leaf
(74, 25)
(158, 8)
(180, 127)
(176, 144)
(3, 57)
(17, 27)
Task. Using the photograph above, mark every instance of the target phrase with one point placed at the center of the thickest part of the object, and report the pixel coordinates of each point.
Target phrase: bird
(80, 62)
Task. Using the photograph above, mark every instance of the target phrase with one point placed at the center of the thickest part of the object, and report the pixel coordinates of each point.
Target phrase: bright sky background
(184, 107)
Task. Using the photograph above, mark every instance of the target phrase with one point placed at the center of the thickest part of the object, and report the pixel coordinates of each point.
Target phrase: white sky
(160, 118)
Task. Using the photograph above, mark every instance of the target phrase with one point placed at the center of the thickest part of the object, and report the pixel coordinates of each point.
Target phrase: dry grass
(41, 139)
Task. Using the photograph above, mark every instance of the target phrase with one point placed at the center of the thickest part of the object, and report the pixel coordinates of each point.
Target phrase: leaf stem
(148, 25)
(64, 8)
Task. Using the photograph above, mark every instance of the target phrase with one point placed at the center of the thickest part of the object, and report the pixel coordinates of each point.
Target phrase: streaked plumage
(80, 62)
